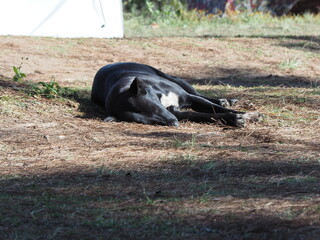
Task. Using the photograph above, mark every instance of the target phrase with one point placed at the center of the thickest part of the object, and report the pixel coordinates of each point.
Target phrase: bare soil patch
(66, 174)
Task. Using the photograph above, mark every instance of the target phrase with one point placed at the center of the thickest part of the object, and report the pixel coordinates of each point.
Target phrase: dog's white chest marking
(171, 99)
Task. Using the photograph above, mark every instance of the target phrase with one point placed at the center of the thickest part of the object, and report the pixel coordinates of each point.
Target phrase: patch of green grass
(11, 105)
(294, 180)
(300, 180)
(51, 89)
(178, 143)
(290, 214)
(6, 98)
(290, 63)
(312, 210)
(188, 160)
(197, 23)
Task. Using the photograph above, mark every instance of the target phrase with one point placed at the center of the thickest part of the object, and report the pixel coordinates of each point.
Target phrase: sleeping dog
(139, 93)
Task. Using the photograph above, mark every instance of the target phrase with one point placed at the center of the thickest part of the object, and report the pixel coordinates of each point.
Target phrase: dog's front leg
(166, 119)
(235, 119)
(231, 119)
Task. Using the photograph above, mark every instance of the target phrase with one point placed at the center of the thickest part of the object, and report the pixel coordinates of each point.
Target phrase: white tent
(62, 18)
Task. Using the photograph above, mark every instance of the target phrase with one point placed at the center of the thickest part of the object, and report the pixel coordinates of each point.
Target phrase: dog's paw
(228, 102)
(238, 120)
(172, 109)
(234, 120)
(224, 102)
(233, 101)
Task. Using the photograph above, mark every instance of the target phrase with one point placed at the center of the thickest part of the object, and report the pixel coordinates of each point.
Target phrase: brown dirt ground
(206, 181)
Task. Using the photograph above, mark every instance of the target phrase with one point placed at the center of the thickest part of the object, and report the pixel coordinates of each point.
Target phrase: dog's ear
(137, 87)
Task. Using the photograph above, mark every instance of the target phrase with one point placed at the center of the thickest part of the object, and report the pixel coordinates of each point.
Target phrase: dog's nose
(175, 123)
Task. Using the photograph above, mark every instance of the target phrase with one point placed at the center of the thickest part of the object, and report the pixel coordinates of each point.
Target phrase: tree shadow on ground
(178, 138)
(311, 38)
(252, 78)
(313, 47)
(304, 43)
(175, 199)
(5, 81)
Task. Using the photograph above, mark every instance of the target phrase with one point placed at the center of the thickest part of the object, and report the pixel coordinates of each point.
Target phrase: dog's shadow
(87, 109)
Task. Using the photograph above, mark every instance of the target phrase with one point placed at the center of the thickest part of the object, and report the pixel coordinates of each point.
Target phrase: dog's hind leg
(203, 105)
(223, 101)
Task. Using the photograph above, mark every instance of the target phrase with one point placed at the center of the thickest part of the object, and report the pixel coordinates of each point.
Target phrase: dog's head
(141, 103)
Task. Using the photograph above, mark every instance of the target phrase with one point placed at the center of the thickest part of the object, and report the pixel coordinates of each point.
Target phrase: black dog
(139, 93)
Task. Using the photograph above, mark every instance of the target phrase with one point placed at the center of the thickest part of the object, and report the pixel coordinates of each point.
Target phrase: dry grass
(65, 174)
